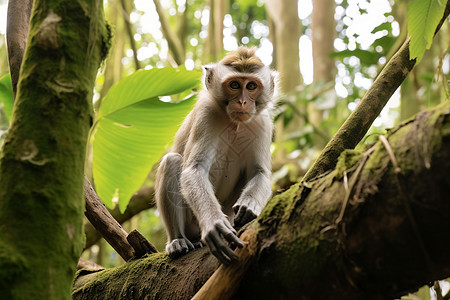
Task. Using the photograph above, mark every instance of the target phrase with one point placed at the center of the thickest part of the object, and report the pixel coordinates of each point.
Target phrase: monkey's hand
(244, 212)
(214, 234)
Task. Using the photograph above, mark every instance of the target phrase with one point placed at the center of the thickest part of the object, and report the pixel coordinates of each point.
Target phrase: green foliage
(245, 4)
(365, 57)
(423, 18)
(133, 127)
(6, 95)
(245, 13)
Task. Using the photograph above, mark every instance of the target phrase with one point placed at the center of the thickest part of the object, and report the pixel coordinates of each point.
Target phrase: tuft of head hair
(243, 60)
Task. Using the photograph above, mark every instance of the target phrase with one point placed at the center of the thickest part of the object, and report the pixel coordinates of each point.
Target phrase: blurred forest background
(328, 54)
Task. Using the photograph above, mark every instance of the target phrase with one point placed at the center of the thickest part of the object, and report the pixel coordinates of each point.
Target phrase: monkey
(217, 174)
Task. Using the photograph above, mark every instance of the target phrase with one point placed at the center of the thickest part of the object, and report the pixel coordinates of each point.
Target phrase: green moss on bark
(42, 162)
(352, 237)
(154, 277)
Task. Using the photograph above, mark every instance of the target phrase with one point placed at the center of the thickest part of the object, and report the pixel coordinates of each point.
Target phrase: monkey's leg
(175, 213)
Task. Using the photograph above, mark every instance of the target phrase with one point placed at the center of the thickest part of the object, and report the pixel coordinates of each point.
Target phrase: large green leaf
(6, 95)
(423, 18)
(133, 127)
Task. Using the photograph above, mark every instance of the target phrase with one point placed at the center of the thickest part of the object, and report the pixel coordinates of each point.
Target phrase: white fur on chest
(233, 158)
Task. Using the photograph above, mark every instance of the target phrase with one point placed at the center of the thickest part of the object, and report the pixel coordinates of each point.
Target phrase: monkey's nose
(242, 102)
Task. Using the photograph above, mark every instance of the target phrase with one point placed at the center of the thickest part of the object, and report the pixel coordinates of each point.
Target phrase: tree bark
(101, 219)
(141, 200)
(42, 162)
(16, 36)
(372, 228)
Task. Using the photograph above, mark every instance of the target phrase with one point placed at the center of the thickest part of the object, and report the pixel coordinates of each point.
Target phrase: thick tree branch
(127, 245)
(141, 200)
(360, 120)
(102, 220)
(350, 229)
(18, 21)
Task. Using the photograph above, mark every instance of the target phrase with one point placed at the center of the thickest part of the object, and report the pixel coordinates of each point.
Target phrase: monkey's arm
(199, 194)
(258, 190)
(253, 198)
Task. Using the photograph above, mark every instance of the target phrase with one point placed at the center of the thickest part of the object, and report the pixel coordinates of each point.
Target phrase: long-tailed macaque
(218, 172)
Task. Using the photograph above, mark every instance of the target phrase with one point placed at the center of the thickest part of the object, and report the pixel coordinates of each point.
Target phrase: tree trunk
(323, 32)
(374, 228)
(41, 167)
(220, 9)
(287, 28)
(175, 45)
(113, 65)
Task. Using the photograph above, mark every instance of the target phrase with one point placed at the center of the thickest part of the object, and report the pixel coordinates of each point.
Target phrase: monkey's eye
(251, 86)
(235, 85)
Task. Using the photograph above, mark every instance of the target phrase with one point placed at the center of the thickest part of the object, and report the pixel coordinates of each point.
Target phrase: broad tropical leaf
(6, 95)
(423, 18)
(133, 127)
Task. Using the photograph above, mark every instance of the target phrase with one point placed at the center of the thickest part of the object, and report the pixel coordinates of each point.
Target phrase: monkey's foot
(178, 247)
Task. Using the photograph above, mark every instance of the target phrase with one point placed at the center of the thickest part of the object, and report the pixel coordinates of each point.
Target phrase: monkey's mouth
(240, 116)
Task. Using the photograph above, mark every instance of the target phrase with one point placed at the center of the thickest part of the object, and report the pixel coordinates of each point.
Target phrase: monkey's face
(241, 97)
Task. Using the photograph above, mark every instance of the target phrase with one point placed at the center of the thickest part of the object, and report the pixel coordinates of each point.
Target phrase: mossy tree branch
(349, 230)
(360, 120)
(42, 161)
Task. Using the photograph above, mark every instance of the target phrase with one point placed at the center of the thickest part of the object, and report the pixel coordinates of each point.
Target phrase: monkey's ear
(209, 75)
(274, 81)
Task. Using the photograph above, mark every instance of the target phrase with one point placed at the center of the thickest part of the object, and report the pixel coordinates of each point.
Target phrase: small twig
(385, 142)
(353, 179)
